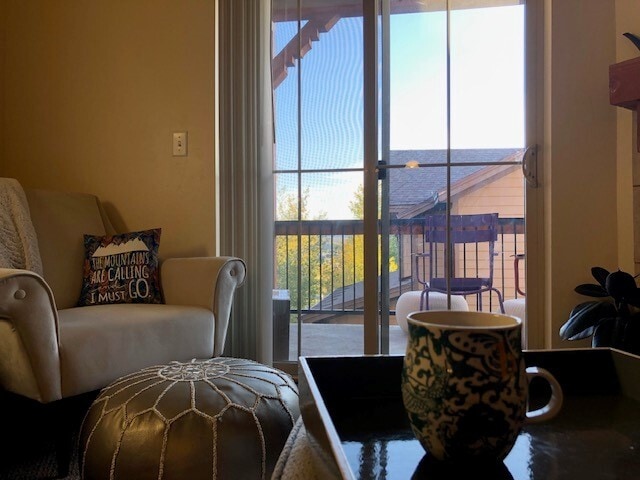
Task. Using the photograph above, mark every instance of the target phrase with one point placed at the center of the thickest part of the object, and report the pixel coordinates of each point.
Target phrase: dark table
(355, 421)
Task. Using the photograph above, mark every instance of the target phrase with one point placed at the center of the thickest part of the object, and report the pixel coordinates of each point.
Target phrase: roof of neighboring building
(351, 297)
(415, 190)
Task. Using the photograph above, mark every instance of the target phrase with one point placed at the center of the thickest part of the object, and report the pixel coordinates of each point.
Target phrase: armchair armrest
(28, 307)
(208, 282)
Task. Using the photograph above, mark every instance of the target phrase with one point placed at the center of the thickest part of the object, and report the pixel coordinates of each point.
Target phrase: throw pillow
(121, 269)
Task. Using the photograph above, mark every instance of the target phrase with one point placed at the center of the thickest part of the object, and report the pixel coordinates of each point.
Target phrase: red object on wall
(624, 86)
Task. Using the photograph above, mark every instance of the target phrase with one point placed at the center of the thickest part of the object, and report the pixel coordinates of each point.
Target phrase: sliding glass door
(453, 140)
(319, 163)
(387, 116)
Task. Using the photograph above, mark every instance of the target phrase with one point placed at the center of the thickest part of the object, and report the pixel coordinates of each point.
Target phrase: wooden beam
(353, 8)
(299, 46)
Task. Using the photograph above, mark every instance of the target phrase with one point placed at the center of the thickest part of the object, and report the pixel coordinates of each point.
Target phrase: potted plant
(612, 321)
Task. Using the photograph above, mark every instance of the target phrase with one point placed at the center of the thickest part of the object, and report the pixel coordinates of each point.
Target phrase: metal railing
(328, 256)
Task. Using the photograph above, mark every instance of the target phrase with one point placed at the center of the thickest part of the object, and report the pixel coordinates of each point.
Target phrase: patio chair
(516, 272)
(473, 240)
(517, 306)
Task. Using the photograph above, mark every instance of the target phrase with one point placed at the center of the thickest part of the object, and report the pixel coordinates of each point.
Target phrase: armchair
(50, 349)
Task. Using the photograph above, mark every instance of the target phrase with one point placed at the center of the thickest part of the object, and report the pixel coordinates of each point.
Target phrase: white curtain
(245, 180)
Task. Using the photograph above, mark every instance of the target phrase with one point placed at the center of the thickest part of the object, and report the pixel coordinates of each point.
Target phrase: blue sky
(487, 94)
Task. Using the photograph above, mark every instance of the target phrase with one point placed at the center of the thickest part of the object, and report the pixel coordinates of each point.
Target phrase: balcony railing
(331, 260)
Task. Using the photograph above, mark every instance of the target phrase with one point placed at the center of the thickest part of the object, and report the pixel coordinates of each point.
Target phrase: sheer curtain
(245, 179)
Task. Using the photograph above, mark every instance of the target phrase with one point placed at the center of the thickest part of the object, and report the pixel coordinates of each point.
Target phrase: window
(450, 130)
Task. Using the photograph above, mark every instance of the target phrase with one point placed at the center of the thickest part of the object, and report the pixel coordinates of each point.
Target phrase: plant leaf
(584, 318)
(620, 285)
(603, 333)
(591, 290)
(584, 334)
(600, 274)
(634, 298)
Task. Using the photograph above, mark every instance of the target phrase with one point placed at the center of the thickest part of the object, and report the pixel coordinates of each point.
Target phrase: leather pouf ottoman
(221, 418)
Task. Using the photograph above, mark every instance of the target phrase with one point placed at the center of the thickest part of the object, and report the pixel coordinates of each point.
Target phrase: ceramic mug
(465, 386)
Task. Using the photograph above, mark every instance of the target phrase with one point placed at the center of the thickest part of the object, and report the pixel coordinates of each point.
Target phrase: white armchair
(51, 349)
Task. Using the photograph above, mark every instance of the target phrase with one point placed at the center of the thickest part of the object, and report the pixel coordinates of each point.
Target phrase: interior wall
(92, 91)
(579, 154)
(2, 70)
(92, 94)
(627, 20)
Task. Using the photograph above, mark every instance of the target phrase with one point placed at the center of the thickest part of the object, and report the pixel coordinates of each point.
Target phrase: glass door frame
(370, 12)
(376, 295)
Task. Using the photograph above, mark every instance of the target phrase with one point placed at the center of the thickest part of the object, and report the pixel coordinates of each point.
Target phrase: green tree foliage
(357, 209)
(324, 263)
(295, 255)
(357, 204)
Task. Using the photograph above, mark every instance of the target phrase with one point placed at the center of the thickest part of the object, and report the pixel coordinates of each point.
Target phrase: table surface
(595, 436)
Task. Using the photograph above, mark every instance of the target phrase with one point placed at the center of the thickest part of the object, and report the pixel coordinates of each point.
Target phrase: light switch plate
(180, 144)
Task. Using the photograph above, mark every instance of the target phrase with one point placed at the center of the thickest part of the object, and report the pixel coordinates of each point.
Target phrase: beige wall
(2, 70)
(579, 153)
(627, 20)
(588, 151)
(92, 93)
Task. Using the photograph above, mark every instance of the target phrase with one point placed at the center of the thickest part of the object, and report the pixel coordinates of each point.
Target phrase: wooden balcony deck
(338, 339)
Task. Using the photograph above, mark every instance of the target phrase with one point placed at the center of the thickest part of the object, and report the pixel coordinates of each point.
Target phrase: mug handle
(552, 408)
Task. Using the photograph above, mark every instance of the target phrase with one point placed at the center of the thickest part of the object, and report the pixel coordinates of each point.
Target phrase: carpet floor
(29, 432)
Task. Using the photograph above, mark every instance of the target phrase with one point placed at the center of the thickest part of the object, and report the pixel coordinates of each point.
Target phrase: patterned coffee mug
(465, 386)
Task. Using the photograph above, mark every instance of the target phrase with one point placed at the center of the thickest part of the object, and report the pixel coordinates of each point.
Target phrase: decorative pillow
(121, 269)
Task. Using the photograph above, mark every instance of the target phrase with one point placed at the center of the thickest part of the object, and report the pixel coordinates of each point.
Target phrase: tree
(357, 209)
(325, 263)
(357, 204)
(298, 255)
